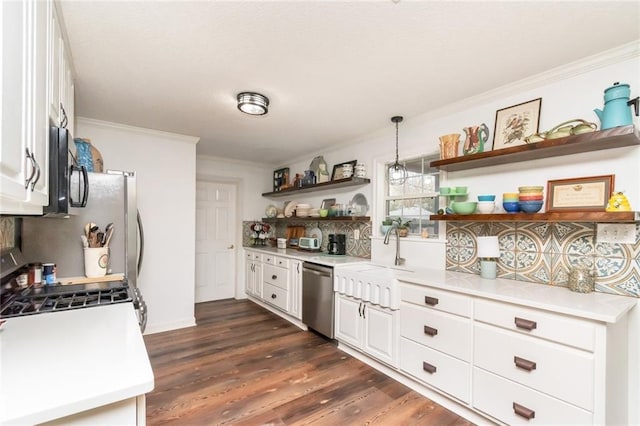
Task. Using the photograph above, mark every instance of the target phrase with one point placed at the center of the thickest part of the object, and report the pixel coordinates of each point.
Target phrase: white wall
(165, 168)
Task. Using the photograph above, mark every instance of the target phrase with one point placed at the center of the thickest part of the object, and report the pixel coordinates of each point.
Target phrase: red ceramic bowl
(531, 197)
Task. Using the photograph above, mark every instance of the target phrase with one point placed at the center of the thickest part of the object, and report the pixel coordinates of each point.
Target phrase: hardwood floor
(243, 365)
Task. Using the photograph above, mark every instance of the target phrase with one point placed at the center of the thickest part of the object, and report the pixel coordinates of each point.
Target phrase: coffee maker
(337, 244)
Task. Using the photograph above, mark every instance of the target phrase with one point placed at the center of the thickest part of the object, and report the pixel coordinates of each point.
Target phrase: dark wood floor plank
(243, 365)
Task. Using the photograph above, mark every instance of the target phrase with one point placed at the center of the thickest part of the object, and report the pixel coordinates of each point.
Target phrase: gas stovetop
(48, 298)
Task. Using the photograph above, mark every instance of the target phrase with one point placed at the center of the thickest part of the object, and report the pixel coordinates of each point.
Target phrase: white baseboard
(174, 325)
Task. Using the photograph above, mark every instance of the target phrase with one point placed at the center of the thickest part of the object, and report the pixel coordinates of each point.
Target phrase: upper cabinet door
(24, 111)
(56, 50)
(15, 167)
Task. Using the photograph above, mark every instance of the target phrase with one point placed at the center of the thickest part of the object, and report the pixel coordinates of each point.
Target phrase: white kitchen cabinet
(275, 281)
(61, 91)
(295, 289)
(529, 352)
(517, 353)
(436, 335)
(367, 327)
(23, 114)
(253, 273)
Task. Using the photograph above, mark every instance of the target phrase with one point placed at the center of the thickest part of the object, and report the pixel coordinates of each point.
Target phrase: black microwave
(68, 182)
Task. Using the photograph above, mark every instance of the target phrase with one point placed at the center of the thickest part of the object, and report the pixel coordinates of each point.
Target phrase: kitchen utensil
(85, 241)
(109, 233)
(616, 107)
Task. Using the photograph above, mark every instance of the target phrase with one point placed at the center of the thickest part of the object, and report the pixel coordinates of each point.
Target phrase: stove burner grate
(61, 299)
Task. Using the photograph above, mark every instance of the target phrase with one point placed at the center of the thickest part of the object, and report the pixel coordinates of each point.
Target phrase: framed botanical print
(515, 123)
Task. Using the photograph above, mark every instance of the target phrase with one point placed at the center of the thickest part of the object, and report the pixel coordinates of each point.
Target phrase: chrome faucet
(399, 260)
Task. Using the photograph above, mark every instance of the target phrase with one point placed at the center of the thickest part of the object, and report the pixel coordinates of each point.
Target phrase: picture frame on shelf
(513, 124)
(280, 179)
(339, 170)
(583, 194)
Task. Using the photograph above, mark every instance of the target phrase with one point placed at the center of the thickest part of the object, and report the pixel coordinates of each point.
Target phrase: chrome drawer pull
(432, 301)
(525, 364)
(523, 411)
(525, 324)
(428, 367)
(430, 331)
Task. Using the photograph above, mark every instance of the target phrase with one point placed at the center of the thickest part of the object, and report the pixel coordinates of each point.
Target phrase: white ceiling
(332, 70)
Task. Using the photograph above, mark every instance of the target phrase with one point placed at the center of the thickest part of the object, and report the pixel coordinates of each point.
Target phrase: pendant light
(253, 103)
(396, 173)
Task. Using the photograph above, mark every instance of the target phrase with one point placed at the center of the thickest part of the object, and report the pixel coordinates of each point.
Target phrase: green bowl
(464, 207)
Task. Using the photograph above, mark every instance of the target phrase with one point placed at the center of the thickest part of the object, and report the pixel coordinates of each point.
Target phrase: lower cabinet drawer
(560, 371)
(445, 332)
(276, 276)
(275, 296)
(440, 300)
(512, 403)
(436, 369)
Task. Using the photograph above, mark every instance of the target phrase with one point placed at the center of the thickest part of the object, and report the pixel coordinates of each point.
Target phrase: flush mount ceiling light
(397, 173)
(253, 103)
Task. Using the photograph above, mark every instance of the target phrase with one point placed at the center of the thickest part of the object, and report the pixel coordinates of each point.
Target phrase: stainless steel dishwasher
(317, 298)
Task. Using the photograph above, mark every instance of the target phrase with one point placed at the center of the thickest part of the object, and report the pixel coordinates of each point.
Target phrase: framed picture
(339, 172)
(515, 123)
(586, 194)
(280, 179)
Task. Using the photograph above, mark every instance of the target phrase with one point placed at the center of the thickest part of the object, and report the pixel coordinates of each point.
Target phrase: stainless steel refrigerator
(111, 199)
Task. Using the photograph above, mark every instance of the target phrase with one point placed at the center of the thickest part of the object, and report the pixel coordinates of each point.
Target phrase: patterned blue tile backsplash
(545, 252)
(360, 247)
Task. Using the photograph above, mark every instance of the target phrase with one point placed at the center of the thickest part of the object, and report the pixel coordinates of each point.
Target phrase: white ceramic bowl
(486, 207)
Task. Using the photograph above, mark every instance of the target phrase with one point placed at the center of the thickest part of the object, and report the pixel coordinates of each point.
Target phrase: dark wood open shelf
(587, 142)
(604, 217)
(333, 184)
(317, 219)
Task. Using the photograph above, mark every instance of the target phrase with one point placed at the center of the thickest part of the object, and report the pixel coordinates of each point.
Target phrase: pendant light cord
(396, 143)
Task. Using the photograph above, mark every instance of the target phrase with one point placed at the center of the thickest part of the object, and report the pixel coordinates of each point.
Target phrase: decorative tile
(573, 238)
(452, 258)
(533, 267)
(453, 231)
(507, 264)
(625, 285)
(534, 236)
(467, 259)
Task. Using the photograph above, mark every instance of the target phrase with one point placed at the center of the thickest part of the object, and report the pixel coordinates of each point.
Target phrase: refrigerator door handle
(141, 232)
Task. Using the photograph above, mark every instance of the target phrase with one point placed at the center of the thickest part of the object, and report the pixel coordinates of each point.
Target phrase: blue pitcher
(616, 107)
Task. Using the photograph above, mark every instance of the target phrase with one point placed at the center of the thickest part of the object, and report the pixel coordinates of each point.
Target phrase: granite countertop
(60, 363)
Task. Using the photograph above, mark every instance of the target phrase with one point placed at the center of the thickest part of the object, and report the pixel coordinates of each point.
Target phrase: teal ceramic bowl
(486, 197)
(464, 207)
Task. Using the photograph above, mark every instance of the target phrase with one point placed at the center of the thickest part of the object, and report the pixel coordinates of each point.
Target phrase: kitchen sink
(370, 282)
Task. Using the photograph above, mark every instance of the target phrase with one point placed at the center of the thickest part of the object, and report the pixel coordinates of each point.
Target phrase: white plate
(315, 232)
(360, 201)
(288, 211)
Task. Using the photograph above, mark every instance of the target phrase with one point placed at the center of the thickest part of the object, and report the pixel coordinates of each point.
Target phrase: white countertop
(61, 363)
(311, 256)
(595, 306)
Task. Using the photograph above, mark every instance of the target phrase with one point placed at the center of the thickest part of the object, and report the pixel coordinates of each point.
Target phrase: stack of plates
(303, 210)
(314, 213)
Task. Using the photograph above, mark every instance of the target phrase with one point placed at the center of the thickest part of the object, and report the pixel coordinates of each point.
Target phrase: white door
(215, 241)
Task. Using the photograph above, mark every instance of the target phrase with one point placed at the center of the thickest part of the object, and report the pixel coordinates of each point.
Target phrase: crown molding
(253, 164)
(140, 130)
(600, 60)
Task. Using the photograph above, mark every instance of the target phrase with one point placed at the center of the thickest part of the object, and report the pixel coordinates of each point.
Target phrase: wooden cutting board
(85, 280)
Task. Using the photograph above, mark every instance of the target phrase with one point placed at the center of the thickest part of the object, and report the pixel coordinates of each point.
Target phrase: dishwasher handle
(321, 270)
